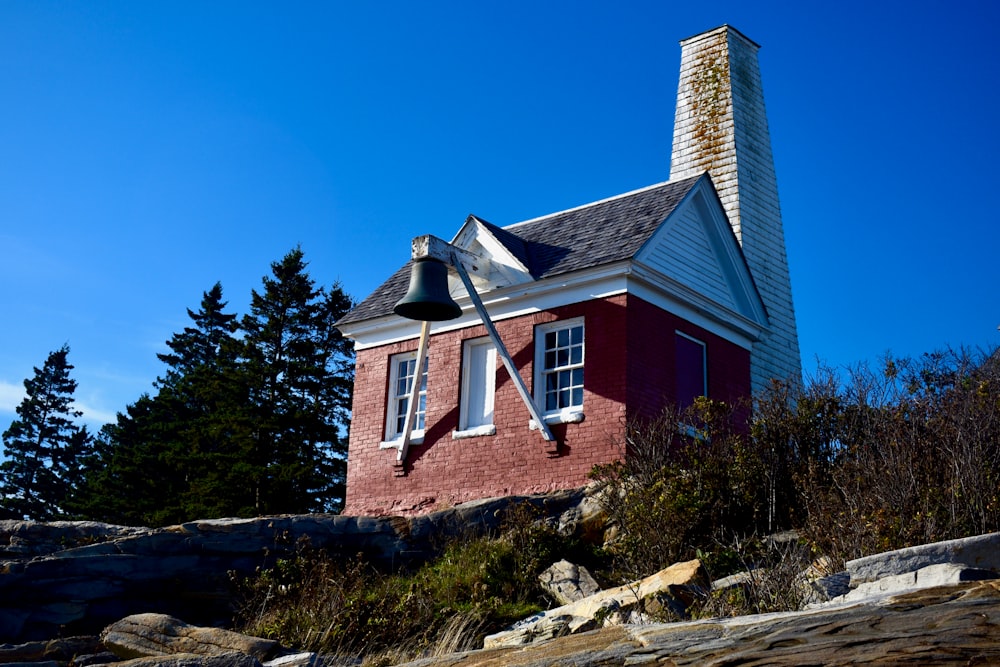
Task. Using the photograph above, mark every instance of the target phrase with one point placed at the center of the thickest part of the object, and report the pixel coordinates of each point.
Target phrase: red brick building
(610, 310)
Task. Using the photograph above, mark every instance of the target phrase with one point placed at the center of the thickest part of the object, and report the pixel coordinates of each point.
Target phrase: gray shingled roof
(604, 232)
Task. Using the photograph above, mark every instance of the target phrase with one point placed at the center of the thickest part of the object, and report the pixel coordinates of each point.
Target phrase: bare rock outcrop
(75, 578)
(949, 626)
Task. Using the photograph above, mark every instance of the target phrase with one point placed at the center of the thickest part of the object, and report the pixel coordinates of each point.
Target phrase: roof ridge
(630, 193)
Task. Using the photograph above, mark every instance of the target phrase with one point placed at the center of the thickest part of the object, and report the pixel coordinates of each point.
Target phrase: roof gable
(506, 254)
(603, 232)
(669, 243)
(696, 248)
(589, 236)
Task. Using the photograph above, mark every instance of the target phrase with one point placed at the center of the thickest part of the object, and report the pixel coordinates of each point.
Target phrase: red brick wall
(627, 358)
(651, 355)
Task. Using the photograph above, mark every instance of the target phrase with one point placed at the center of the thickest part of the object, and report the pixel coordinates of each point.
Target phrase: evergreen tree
(208, 343)
(205, 387)
(238, 426)
(177, 455)
(43, 447)
(125, 479)
(299, 375)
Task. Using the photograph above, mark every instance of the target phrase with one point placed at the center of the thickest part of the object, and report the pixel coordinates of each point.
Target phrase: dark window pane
(690, 370)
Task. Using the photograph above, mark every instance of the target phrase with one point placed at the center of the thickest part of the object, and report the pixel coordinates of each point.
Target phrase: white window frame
(479, 372)
(397, 402)
(570, 413)
(704, 362)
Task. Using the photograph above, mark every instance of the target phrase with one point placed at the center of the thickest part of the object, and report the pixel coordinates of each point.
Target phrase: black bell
(428, 299)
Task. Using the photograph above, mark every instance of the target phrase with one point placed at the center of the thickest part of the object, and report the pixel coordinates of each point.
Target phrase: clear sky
(150, 149)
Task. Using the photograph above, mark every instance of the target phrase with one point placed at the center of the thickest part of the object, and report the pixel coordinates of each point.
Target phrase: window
(401, 372)
(692, 371)
(559, 353)
(479, 371)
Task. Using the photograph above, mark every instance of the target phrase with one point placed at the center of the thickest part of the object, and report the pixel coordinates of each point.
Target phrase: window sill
(560, 418)
(415, 439)
(488, 429)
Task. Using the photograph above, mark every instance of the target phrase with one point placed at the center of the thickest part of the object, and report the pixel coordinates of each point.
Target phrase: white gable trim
(505, 268)
(696, 246)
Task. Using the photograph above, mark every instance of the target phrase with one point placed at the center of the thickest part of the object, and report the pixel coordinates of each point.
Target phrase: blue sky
(150, 149)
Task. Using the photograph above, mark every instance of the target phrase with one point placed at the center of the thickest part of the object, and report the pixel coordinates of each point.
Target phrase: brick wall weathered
(652, 360)
(629, 358)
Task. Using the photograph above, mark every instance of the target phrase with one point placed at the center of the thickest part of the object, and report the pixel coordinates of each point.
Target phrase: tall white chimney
(721, 127)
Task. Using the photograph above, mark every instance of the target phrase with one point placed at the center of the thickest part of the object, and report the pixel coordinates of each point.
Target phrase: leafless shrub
(771, 579)
(916, 456)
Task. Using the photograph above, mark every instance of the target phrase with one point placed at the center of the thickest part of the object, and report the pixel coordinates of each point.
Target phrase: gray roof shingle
(588, 236)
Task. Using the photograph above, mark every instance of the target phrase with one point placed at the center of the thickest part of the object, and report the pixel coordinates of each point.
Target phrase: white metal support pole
(414, 399)
(501, 349)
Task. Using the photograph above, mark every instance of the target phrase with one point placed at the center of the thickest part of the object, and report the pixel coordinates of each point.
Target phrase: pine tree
(43, 447)
(205, 387)
(177, 455)
(300, 384)
(238, 426)
(208, 343)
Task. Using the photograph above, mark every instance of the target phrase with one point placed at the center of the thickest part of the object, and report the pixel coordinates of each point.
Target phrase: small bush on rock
(477, 586)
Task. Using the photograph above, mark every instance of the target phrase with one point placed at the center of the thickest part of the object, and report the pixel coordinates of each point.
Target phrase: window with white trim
(402, 368)
(692, 369)
(479, 371)
(559, 355)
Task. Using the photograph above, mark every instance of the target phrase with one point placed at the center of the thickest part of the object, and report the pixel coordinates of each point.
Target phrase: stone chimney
(721, 127)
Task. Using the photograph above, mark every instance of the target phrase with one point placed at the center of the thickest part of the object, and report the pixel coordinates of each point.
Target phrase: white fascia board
(505, 303)
(688, 304)
(597, 283)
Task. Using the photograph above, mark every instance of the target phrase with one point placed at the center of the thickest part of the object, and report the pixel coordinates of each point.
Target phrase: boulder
(55, 650)
(193, 660)
(943, 574)
(980, 552)
(147, 635)
(608, 607)
(567, 582)
(295, 660)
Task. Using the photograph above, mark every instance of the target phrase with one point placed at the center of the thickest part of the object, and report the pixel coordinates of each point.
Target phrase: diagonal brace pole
(414, 399)
(501, 349)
